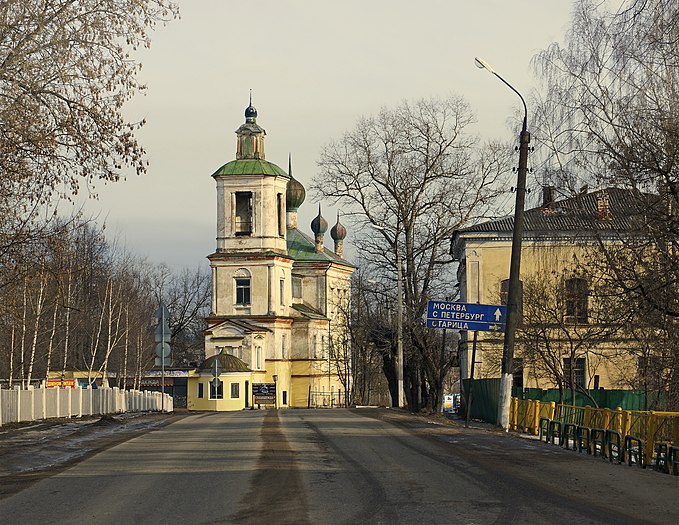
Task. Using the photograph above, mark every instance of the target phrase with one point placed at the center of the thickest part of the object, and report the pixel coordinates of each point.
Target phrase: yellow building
(278, 295)
(558, 297)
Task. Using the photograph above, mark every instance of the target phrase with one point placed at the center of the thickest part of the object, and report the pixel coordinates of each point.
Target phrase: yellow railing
(650, 426)
(525, 414)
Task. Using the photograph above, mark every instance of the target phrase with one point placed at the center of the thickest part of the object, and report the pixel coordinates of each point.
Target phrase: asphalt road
(340, 466)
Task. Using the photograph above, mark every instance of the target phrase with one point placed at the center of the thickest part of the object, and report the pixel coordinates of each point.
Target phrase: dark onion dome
(250, 112)
(227, 363)
(319, 224)
(295, 194)
(338, 231)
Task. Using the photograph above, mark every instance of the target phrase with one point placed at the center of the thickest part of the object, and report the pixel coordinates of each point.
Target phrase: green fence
(625, 399)
(486, 393)
(485, 396)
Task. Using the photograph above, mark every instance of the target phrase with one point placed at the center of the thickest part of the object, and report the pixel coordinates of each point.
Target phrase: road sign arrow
(162, 313)
(498, 314)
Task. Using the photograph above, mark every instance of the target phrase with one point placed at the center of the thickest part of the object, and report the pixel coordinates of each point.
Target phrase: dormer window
(243, 223)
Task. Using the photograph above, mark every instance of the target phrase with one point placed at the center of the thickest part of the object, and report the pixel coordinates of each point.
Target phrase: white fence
(42, 403)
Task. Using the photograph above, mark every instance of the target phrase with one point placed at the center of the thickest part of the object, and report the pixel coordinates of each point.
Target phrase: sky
(315, 68)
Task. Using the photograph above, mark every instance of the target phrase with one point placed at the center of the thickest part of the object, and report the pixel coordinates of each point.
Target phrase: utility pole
(514, 295)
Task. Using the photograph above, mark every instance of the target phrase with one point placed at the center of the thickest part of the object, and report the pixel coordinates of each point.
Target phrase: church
(280, 297)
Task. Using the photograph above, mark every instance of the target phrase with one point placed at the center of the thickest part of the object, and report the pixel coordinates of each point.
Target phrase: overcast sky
(315, 67)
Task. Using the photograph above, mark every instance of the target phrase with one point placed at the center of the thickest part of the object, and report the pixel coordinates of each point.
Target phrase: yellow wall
(486, 265)
(225, 404)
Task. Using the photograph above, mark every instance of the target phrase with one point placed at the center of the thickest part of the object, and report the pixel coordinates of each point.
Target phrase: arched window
(577, 292)
(242, 287)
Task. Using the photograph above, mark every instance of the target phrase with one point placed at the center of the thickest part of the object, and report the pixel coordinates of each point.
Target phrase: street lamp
(399, 317)
(514, 295)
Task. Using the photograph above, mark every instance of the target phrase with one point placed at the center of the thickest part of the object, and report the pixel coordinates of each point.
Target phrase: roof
(227, 363)
(575, 216)
(627, 209)
(308, 311)
(250, 167)
(302, 248)
(242, 324)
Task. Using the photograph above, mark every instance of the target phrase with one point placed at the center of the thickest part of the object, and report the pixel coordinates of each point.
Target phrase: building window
(216, 393)
(200, 392)
(282, 291)
(281, 215)
(235, 390)
(284, 344)
(296, 287)
(258, 357)
(243, 287)
(243, 291)
(577, 291)
(243, 215)
(579, 372)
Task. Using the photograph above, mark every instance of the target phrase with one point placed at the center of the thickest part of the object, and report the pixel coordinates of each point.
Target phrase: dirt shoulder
(30, 452)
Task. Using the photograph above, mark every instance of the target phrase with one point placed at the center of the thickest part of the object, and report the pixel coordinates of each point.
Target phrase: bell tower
(251, 195)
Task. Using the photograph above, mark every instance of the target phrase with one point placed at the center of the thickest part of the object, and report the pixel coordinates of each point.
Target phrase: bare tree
(66, 69)
(609, 114)
(416, 174)
(570, 318)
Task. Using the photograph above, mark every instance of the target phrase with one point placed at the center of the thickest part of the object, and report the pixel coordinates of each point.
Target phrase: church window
(235, 390)
(242, 282)
(284, 344)
(281, 216)
(297, 287)
(216, 393)
(282, 291)
(258, 358)
(243, 223)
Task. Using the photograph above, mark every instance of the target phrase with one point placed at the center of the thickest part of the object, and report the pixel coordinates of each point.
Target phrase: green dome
(250, 167)
(227, 363)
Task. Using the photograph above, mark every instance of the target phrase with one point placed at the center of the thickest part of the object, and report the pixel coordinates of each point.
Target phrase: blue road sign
(466, 316)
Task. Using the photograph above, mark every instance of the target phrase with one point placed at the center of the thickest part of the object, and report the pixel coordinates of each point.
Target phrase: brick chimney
(548, 198)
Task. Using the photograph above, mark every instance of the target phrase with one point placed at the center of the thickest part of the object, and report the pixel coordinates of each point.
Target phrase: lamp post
(514, 295)
(275, 391)
(399, 317)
